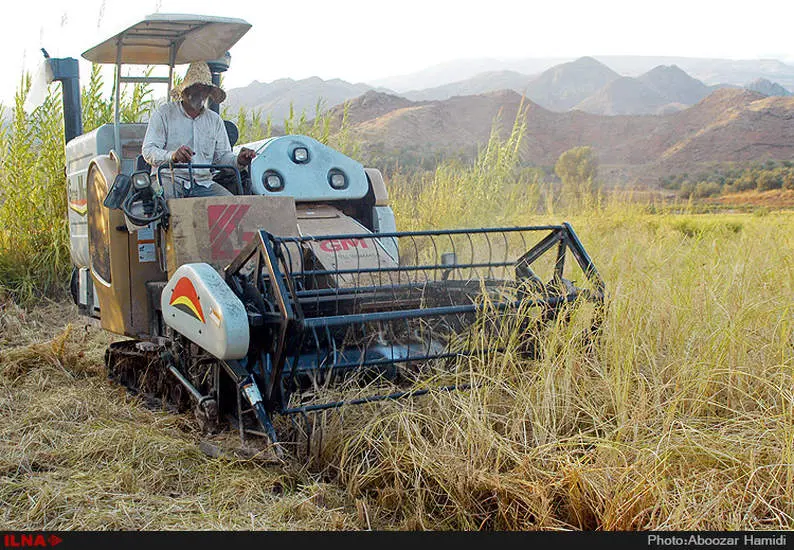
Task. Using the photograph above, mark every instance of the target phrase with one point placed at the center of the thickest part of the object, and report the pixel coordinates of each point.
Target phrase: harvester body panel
(79, 153)
(214, 230)
(199, 304)
(351, 255)
(306, 168)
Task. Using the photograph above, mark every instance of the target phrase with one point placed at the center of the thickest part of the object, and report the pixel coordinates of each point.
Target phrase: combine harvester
(259, 304)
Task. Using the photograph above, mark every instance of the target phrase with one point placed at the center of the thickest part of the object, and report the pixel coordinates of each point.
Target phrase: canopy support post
(171, 62)
(117, 101)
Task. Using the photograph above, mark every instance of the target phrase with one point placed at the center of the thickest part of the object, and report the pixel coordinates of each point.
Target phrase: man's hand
(245, 156)
(183, 154)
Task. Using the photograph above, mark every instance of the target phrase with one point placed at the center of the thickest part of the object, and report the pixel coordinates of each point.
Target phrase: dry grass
(772, 199)
(682, 417)
(77, 452)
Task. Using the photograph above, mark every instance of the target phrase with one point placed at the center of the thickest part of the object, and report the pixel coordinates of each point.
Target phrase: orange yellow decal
(185, 298)
(80, 206)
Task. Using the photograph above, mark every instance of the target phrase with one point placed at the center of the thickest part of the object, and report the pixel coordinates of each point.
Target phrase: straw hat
(198, 73)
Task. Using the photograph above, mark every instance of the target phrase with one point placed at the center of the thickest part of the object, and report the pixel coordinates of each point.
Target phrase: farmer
(187, 130)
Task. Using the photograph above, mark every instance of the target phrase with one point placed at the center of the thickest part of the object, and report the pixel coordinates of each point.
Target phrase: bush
(706, 189)
(733, 178)
(787, 178)
(577, 168)
(686, 189)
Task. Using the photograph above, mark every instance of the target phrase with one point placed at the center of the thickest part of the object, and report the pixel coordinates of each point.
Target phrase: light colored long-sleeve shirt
(170, 127)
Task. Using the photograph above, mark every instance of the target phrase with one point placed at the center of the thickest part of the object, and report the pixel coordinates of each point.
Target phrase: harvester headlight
(273, 181)
(337, 179)
(141, 180)
(300, 155)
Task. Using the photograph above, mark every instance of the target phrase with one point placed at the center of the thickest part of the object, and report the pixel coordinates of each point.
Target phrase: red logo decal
(336, 245)
(185, 298)
(227, 239)
(31, 540)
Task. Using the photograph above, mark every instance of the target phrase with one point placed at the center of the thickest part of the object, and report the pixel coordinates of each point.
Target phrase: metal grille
(395, 306)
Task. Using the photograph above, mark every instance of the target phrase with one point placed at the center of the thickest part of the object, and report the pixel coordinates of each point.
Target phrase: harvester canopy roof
(171, 39)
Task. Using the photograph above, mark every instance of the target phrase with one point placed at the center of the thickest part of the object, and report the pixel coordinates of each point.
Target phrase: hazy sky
(361, 40)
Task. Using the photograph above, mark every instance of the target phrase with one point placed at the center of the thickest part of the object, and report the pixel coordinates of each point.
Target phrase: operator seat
(225, 176)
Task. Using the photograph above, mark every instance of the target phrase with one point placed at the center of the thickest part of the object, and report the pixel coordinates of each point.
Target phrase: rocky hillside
(372, 105)
(626, 96)
(564, 86)
(675, 85)
(767, 87)
(664, 89)
(730, 125)
(455, 124)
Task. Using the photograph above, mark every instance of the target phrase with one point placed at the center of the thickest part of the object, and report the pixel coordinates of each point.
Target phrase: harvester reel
(325, 310)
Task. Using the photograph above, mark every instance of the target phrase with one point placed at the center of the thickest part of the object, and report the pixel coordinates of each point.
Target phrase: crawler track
(145, 369)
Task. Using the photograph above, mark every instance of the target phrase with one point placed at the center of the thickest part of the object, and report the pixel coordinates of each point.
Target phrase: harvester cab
(247, 308)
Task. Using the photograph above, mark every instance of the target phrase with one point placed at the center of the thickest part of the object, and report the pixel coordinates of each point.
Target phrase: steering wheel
(190, 167)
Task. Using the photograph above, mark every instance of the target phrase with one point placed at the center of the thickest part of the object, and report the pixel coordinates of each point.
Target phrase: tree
(577, 168)
(788, 178)
(769, 179)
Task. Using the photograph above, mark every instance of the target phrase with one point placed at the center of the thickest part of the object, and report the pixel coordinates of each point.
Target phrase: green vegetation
(34, 255)
(486, 192)
(34, 248)
(578, 170)
(733, 178)
(495, 188)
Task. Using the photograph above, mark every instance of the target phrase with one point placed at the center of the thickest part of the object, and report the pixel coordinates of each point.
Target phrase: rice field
(681, 416)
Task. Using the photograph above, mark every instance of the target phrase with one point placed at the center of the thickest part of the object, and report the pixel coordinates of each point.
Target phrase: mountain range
(275, 98)
(708, 70)
(642, 126)
(586, 84)
(729, 125)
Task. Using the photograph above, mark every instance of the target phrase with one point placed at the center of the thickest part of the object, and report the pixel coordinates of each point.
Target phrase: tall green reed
(492, 190)
(34, 236)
